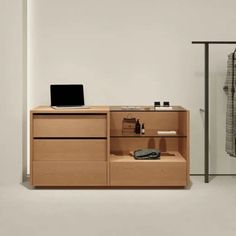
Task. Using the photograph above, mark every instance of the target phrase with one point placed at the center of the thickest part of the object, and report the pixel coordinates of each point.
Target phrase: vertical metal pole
(206, 144)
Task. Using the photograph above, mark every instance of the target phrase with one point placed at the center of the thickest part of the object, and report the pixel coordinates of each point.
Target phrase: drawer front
(69, 126)
(148, 174)
(70, 149)
(69, 173)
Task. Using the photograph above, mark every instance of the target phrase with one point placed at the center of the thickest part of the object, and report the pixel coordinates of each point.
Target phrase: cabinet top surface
(90, 109)
(103, 109)
(145, 108)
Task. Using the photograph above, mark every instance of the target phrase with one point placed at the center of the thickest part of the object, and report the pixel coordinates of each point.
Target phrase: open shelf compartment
(171, 156)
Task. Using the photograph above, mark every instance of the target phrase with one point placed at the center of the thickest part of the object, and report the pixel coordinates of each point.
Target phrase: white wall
(135, 52)
(11, 90)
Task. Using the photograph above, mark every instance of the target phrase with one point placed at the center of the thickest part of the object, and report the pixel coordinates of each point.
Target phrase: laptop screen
(67, 95)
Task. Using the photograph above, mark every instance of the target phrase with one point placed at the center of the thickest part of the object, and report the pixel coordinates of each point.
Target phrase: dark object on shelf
(157, 104)
(166, 104)
(128, 125)
(137, 127)
(142, 129)
(147, 154)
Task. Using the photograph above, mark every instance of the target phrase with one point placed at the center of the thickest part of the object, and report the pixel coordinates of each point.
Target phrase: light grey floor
(205, 209)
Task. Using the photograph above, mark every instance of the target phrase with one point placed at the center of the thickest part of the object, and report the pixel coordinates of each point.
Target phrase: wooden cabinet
(69, 147)
(86, 147)
(173, 167)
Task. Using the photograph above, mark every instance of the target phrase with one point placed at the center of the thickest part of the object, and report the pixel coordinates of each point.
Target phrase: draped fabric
(229, 88)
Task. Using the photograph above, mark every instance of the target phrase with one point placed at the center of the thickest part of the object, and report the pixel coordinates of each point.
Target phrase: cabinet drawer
(147, 174)
(70, 149)
(69, 173)
(69, 125)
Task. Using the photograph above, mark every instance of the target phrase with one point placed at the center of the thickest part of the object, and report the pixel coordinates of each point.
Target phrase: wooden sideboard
(86, 147)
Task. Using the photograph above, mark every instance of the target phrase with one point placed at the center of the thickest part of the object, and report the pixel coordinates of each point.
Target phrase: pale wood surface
(108, 148)
(31, 147)
(70, 126)
(91, 109)
(70, 149)
(153, 121)
(69, 173)
(183, 122)
(187, 147)
(127, 145)
(148, 133)
(171, 170)
(98, 109)
(184, 144)
(171, 156)
(70, 162)
(148, 173)
(143, 108)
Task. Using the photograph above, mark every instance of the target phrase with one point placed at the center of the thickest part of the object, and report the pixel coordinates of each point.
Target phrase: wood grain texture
(184, 144)
(148, 174)
(171, 156)
(69, 173)
(31, 147)
(187, 147)
(90, 109)
(108, 149)
(183, 122)
(70, 125)
(170, 170)
(143, 108)
(126, 145)
(63, 143)
(70, 149)
(158, 121)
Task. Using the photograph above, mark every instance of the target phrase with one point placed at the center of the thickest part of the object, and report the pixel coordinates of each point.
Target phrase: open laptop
(67, 96)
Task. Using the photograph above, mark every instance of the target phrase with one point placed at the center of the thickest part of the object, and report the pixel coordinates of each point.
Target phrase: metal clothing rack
(206, 139)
